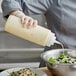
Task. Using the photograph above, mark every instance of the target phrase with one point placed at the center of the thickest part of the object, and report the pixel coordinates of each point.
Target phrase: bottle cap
(51, 40)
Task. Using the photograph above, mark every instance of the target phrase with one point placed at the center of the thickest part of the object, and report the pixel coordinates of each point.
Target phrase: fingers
(22, 20)
(28, 22)
(35, 23)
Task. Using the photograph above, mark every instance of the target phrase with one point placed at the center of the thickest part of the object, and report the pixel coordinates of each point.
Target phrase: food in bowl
(23, 72)
(63, 58)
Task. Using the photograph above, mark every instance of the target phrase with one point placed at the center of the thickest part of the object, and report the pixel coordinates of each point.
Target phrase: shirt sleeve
(37, 6)
(10, 5)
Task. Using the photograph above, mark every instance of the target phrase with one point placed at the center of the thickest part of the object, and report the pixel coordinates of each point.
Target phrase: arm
(9, 6)
(13, 7)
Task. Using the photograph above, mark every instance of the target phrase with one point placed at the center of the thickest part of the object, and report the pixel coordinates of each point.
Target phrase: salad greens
(63, 58)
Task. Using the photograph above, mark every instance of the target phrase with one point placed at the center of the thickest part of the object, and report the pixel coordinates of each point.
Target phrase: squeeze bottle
(38, 34)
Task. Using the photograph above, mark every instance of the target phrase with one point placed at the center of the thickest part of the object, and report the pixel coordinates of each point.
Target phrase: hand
(28, 22)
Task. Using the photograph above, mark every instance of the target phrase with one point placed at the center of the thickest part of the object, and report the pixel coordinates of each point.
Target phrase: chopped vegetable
(52, 60)
(23, 72)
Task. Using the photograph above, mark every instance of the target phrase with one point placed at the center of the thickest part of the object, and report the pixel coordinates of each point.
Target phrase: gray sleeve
(10, 5)
(37, 6)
